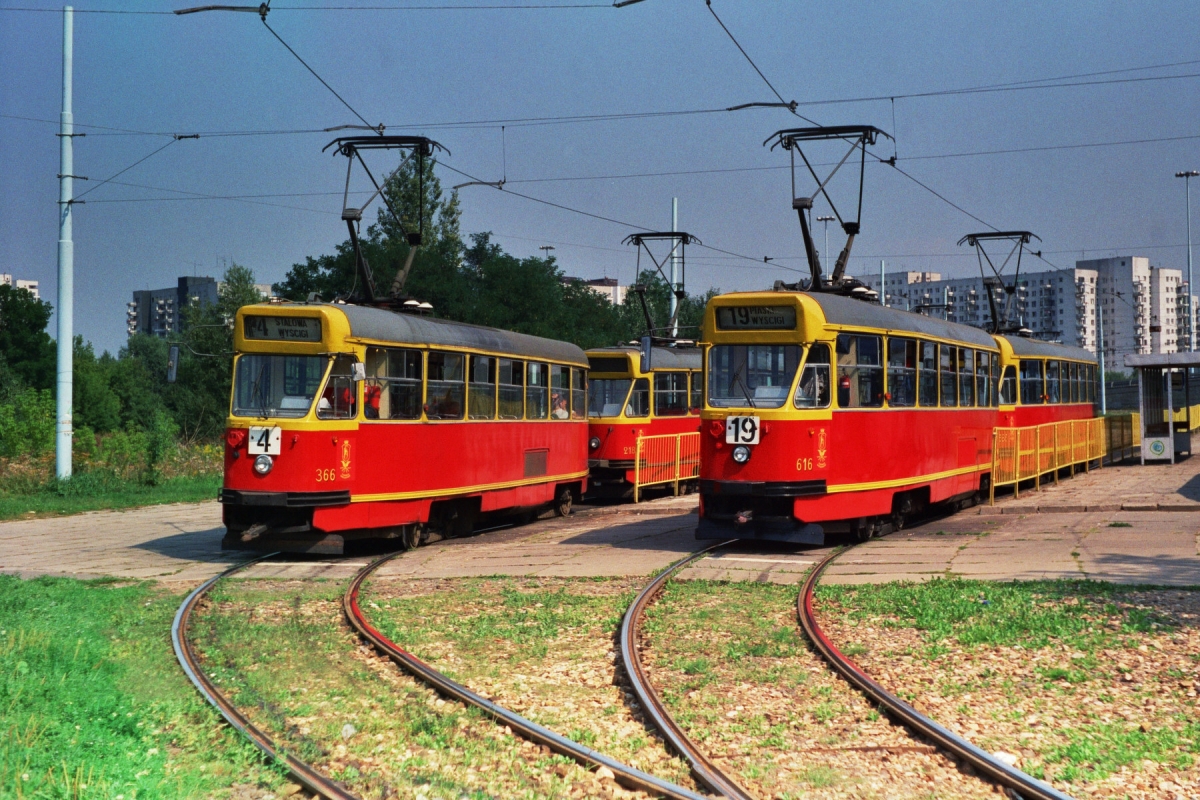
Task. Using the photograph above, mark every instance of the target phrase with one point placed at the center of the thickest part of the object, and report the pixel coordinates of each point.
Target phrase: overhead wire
(109, 179)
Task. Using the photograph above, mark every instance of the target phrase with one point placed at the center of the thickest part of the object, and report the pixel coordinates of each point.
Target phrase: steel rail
(302, 773)
(709, 773)
(1025, 786)
(628, 776)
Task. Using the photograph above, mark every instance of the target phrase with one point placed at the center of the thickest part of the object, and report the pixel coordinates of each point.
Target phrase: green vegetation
(93, 703)
(1032, 613)
(1120, 525)
(1096, 751)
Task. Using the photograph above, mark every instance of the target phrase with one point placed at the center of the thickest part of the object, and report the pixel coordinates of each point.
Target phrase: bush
(27, 423)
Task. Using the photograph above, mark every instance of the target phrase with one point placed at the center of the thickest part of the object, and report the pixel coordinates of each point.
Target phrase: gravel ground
(1104, 711)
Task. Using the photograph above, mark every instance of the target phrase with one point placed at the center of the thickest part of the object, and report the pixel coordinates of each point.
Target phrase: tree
(24, 344)
(95, 404)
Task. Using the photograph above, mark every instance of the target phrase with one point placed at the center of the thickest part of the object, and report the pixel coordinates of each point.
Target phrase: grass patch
(1120, 525)
(93, 703)
(819, 777)
(83, 493)
(1096, 751)
(1030, 613)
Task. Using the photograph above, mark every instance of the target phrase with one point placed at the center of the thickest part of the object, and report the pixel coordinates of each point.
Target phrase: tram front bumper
(757, 510)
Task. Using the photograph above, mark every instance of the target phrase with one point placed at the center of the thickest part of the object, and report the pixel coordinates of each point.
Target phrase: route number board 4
(265, 441)
(741, 430)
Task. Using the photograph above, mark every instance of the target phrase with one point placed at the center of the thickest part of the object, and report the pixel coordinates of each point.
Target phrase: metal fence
(1023, 454)
(669, 458)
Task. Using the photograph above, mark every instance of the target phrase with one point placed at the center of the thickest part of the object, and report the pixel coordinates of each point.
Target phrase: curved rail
(302, 773)
(1024, 785)
(709, 773)
(530, 730)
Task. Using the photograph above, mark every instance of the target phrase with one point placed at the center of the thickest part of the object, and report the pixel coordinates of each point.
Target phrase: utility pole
(1187, 182)
(66, 260)
(826, 219)
(674, 268)
(1100, 345)
(882, 283)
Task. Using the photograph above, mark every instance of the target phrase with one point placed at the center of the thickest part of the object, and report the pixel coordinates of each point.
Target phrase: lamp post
(546, 248)
(1187, 176)
(826, 219)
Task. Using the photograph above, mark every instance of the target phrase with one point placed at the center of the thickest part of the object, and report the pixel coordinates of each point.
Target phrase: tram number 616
(741, 430)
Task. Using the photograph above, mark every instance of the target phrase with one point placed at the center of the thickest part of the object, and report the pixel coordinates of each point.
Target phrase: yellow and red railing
(668, 458)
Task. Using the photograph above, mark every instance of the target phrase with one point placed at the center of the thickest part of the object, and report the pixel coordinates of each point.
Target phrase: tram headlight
(263, 464)
(594, 443)
(741, 454)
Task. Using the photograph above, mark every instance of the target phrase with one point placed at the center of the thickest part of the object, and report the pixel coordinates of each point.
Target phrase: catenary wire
(109, 179)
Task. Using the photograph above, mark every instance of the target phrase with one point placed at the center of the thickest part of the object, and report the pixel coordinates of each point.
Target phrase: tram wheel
(562, 503)
(411, 537)
(862, 529)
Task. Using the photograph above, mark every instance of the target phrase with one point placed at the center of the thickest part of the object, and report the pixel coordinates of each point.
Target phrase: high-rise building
(158, 312)
(30, 286)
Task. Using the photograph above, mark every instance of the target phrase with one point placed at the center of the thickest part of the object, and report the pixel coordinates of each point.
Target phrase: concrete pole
(674, 266)
(66, 261)
(1100, 346)
(1191, 318)
(882, 283)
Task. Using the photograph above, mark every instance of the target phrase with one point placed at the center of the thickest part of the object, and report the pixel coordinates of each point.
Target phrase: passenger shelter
(1163, 388)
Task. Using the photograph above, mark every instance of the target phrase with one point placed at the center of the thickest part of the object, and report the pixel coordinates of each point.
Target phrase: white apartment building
(608, 288)
(31, 286)
(1145, 308)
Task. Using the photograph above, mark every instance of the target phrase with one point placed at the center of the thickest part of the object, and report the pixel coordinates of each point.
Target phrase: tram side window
(512, 388)
(928, 376)
(578, 394)
(1091, 384)
(444, 397)
(393, 386)
(481, 389)
(1032, 391)
(983, 379)
(537, 395)
(1053, 393)
(1074, 383)
(902, 372)
(1008, 387)
(696, 398)
(560, 392)
(860, 371)
(995, 379)
(670, 394)
(966, 376)
(813, 389)
(949, 375)
(338, 399)
(639, 399)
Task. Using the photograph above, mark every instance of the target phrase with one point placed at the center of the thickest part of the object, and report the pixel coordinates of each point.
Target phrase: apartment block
(30, 286)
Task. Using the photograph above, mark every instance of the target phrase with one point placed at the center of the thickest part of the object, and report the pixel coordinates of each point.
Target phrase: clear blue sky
(411, 68)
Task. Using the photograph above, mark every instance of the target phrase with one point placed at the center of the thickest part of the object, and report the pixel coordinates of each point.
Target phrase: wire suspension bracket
(679, 240)
(1002, 320)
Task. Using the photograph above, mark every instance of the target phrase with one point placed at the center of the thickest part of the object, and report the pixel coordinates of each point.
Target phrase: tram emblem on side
(265, 441)
(741, 430)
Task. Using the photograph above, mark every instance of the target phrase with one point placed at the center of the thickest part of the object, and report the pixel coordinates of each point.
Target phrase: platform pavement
(180, 545)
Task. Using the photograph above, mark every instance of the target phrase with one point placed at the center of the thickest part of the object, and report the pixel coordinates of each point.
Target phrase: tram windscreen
(606, 396)
(751, 375)
(276, 385)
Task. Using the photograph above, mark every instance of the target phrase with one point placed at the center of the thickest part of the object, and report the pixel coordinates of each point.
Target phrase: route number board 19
(741, 430)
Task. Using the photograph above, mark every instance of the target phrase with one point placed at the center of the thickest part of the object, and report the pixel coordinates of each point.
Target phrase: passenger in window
(558, 402)
(371, 396)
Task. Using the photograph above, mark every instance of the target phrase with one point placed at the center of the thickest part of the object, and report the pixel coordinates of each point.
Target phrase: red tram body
(356, 422)
(626, 403)
(824, 413)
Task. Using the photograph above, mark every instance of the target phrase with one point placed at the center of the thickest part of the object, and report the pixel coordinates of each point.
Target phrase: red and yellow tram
(1044, 382)
(823, 413)
(626, 403)
(357, 422)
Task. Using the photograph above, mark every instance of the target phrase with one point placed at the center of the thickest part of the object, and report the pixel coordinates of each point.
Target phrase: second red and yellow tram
(357, 422)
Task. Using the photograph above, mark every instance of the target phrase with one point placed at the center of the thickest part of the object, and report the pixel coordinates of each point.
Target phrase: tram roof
(841, 310)
(660, 357)
(367, 322)
(1036, 348)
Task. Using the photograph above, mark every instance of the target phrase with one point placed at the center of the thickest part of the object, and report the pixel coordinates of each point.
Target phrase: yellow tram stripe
(484, 487)
(935, 476)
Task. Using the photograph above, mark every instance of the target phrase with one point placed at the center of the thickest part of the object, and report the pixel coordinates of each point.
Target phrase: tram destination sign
(759, 318)
(283, 329)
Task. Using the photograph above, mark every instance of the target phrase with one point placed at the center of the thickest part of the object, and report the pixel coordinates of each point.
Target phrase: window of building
(481, 389)
(1033, 390)
(393, 385)
(444, 398)
(512, 388)
(860, 371)
(813, 389)
(902, 372)
(670, 394)
(928, 375)
(948, 359)
(537, 395)
(639, 399)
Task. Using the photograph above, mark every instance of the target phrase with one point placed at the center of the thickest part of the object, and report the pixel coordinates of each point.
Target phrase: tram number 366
(741, 430)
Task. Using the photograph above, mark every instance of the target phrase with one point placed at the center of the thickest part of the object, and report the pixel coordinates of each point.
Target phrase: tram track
(1019, 784)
